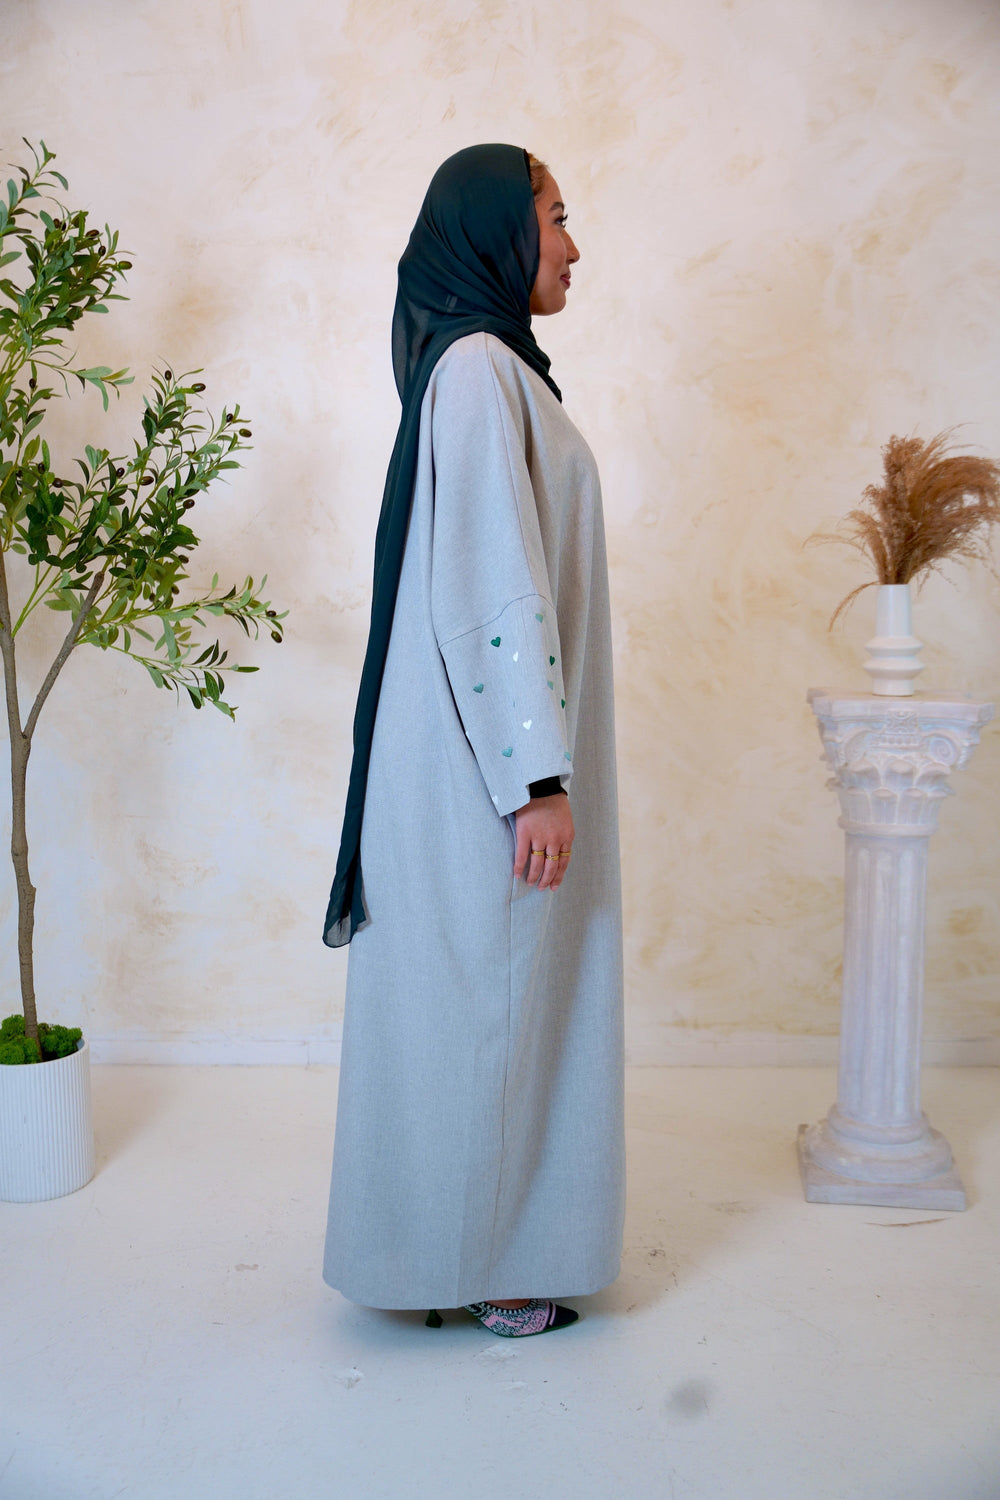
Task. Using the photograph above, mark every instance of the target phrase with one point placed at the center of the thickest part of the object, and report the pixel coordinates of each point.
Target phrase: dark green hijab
(469, 267)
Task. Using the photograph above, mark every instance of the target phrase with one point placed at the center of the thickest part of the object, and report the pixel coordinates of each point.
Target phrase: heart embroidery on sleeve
(495, 641)
(478, 687)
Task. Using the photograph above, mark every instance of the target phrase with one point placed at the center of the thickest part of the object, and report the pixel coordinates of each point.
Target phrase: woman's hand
(544, 839)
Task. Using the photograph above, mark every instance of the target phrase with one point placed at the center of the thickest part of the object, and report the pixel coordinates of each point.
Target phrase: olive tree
(105, 541)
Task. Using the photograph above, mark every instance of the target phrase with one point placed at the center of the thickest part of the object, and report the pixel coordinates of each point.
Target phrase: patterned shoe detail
(520, 1322)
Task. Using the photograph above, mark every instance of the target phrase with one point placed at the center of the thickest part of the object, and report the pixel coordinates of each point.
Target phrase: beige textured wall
(788, 220)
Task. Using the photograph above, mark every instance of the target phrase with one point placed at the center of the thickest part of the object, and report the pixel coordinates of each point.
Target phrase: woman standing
(479, 1156)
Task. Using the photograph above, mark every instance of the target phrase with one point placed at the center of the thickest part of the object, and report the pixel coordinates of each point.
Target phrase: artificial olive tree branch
(38, 592)
(63, 654)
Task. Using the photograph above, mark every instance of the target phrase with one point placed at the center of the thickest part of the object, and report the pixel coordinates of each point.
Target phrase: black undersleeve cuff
(549, 786)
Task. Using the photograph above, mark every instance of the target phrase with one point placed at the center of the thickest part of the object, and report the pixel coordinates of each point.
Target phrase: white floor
(165, 1335)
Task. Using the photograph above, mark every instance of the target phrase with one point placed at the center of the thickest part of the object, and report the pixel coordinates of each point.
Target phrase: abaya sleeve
(492, 602)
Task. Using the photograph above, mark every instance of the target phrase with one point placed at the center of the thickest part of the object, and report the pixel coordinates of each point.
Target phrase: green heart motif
(495, 641)
(508, 752)
(552, 686)
(566, 755)
(539, 618)
(478, 687)
(563, 702)
(552, 661)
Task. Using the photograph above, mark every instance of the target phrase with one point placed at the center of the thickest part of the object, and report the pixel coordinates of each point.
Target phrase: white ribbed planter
(46, 1128)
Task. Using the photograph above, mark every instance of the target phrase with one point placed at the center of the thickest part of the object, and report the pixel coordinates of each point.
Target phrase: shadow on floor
(127, 1103)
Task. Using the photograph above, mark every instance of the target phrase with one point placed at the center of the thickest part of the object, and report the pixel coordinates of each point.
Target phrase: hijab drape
(469, 267)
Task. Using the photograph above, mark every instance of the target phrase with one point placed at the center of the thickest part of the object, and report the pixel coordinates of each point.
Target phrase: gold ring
(538, 851)
(565, 854)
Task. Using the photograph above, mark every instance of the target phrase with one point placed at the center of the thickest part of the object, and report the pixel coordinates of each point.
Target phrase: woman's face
(556, 251)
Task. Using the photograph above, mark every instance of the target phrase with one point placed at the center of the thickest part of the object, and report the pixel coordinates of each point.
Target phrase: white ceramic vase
(894, 652)
(46, 1128)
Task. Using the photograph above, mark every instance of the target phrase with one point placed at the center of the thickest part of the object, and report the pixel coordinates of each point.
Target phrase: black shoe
(539, 1316)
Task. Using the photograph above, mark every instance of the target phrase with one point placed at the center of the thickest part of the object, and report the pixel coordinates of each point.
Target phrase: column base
(820, 1185)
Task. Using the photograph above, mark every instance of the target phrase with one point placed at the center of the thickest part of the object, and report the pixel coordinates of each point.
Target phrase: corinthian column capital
(891, 763)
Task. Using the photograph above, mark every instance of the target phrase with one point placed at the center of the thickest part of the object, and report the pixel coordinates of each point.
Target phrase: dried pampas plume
(933, 504)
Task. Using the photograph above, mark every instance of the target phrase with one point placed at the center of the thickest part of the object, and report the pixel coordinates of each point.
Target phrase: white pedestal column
(891, 765)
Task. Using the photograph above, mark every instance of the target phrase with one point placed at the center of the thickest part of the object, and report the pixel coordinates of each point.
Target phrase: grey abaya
(479, 1141)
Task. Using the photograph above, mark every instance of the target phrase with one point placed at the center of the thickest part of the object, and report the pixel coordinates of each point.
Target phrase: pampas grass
(933, 504)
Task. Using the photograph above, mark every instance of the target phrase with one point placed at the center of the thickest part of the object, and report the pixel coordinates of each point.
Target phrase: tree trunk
(20, 748)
